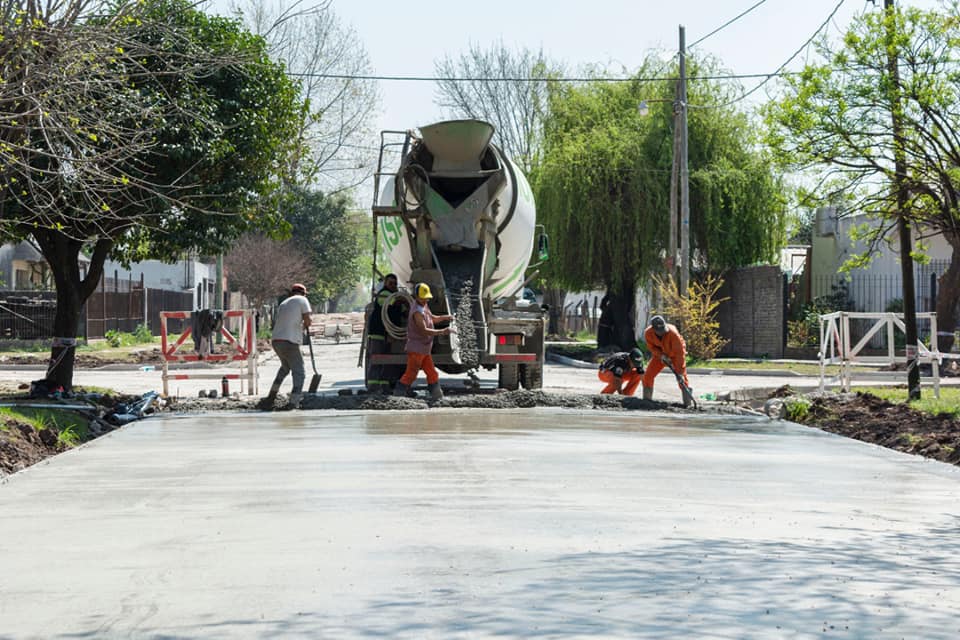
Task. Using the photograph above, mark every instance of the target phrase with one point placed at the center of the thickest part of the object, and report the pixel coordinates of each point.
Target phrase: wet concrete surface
(476, 524)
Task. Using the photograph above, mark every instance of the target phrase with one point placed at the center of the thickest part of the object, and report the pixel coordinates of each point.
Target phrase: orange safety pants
(655, 366)
(631, 380)
(416, 362)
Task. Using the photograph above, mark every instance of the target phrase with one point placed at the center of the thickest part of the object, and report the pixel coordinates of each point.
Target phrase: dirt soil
(21, 445)
(896, 426)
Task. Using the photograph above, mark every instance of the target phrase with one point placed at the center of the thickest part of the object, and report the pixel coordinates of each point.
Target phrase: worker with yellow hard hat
(420, 333)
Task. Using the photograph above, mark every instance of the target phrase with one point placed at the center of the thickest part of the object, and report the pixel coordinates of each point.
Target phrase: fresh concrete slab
(447, 524)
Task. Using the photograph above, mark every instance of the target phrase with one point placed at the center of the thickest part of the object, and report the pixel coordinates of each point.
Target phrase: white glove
(665, 359)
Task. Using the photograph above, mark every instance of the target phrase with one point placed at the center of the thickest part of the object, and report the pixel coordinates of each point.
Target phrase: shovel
(687, 392)
(315, 380)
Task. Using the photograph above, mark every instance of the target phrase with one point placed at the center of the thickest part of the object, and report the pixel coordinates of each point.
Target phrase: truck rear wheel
(531, 376)
(509, 376)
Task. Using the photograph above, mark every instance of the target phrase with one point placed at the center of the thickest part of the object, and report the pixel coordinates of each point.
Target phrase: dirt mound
(896, 426)
(21, 445)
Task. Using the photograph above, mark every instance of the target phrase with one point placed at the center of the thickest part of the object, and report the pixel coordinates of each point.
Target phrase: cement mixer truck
(453, 211)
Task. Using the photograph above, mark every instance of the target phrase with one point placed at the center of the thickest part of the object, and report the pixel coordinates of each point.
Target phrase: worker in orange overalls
(622, 369)
(666, 347)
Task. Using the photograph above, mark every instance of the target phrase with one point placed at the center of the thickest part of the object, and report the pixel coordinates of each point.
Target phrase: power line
(345, 76)
(779, 72)
(726, 24)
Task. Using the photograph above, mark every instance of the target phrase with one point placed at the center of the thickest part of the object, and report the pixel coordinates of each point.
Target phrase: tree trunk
(948, 296)
(621, 307)
(554, 298)
(62, 254)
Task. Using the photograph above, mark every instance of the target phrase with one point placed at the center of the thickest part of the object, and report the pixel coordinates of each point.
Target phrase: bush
(805, 330)
(142, 334)
(695, 313)
(797, 407)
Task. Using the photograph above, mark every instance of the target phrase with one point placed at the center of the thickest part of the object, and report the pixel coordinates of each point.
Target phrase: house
(190, 273)
(877, 286)
(23, 268)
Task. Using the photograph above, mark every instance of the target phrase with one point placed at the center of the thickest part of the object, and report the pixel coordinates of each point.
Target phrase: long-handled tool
(687, 392)
(315, 380)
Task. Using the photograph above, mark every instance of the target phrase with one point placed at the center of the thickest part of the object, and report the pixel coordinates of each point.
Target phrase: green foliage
(323, 230)
(141, 335)
(113, 337)
(804, 330)
(71, 428)
(234, 136)
(695, 313)
(834, 122)
(947, 404)
(603, 182)
(797, 407)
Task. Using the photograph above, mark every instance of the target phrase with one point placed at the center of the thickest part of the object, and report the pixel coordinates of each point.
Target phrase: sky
(404, 38)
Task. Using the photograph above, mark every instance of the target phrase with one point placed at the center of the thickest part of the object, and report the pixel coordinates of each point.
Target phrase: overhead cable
(779, 71)
(726, 24)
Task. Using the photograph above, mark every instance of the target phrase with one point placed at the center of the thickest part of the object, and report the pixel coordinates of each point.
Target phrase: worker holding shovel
(667, 349)
(293, 318)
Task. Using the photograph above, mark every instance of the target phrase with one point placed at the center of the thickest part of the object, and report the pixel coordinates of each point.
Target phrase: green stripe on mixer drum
(503, 285)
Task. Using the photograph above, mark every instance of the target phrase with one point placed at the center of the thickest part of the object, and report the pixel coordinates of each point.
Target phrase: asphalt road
(454, 524)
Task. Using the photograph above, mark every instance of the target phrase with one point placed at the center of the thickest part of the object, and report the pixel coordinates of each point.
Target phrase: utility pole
(684, 171)
(903, 226)
(672, 246)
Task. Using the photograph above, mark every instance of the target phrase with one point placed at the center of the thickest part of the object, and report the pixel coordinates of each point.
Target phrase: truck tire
(531, 376)
(509, 376)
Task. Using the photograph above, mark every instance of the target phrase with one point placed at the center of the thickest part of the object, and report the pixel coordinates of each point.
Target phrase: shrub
(113, 337)
(696, 313)
(142, 334)
(797, 407)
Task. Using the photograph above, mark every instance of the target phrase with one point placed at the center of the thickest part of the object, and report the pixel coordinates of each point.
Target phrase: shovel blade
(315, 382)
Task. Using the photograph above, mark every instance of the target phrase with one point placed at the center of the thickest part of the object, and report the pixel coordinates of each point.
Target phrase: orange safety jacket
(671, 344)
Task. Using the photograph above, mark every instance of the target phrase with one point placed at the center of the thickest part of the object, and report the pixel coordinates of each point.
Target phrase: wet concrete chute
(454, 524)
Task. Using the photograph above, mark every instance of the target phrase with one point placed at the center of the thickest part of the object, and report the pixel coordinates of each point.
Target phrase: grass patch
(948, 403)
(804, 368)
(71, 427)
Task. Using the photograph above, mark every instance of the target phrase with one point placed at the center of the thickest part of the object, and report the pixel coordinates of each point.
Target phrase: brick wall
(753, 318)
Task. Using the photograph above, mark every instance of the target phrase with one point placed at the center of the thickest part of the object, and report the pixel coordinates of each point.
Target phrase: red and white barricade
(240, 347)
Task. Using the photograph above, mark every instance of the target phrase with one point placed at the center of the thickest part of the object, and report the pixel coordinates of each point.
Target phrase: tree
(324, 232)
(833, 123)
(134, 129)
(263, 267)
(603, 186)
(506, 88)
(326, 57)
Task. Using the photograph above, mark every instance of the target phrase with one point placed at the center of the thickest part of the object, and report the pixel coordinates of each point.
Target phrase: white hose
(394, 331)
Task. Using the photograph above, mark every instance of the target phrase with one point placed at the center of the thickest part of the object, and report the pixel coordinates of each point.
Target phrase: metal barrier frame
(244, 345)
(836, 347)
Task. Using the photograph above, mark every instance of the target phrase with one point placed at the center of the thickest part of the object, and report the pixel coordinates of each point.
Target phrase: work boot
(267, 401)
(648, 393)
(401, 390)
(436, 393)
(295, 399)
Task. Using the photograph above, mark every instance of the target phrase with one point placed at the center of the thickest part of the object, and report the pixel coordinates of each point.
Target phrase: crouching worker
(622, 369)
(667, 349)
(420, 333)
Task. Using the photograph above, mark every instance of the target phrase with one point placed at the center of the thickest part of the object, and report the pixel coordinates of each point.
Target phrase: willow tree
(603, 186)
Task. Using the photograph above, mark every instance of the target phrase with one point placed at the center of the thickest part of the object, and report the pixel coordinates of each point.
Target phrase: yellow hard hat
(423, 291)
